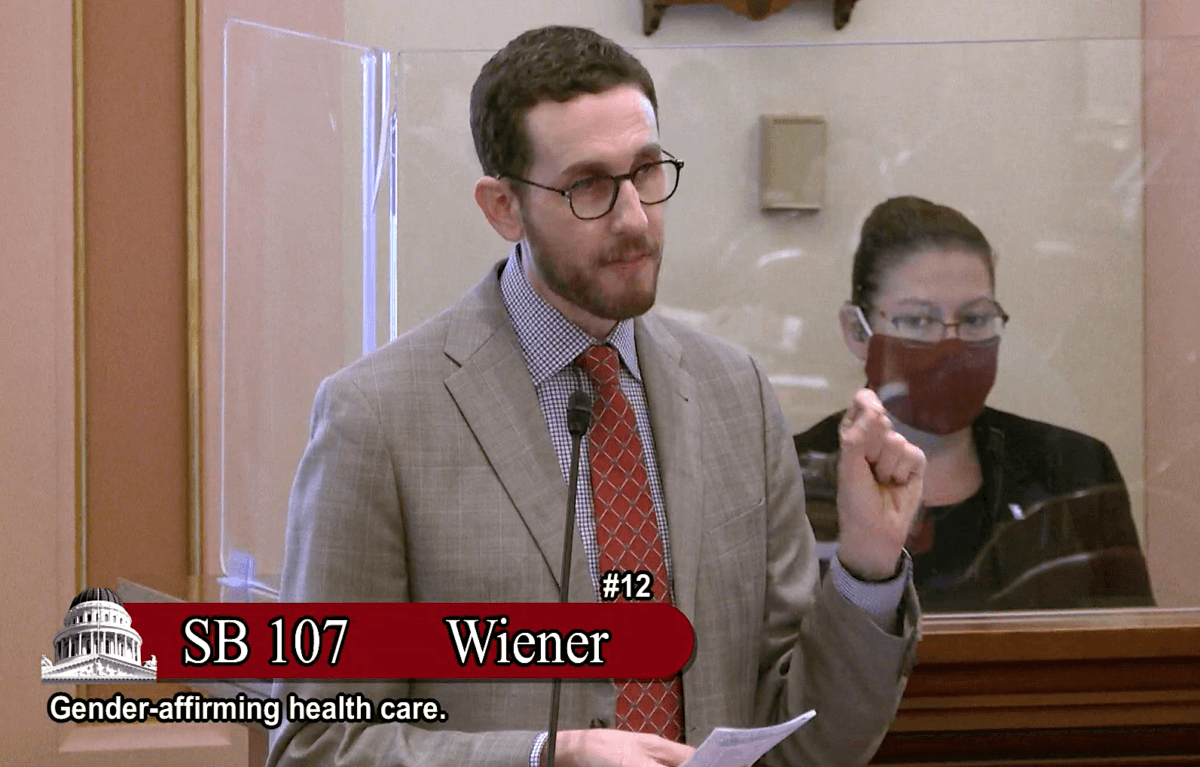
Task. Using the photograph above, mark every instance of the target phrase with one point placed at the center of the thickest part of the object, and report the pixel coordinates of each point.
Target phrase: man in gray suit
(436, 467)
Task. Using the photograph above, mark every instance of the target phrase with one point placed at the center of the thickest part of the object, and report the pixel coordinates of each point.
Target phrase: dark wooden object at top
(653, 10)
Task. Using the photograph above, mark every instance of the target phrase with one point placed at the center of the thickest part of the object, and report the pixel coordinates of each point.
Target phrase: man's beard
(584, 287)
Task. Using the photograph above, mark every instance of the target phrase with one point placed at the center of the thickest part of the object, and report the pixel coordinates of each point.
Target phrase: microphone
(579, 418)
(579, 415)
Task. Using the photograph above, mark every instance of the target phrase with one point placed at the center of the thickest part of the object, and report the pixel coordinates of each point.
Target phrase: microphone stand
(579, 418)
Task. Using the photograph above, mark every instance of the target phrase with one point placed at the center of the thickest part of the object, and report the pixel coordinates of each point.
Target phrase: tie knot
(602, 365)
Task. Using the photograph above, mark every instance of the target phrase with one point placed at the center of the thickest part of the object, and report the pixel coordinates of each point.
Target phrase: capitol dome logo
(97, 643)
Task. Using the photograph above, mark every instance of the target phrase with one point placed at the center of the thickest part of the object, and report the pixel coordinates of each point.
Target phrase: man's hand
(880, 476)
(616, 748)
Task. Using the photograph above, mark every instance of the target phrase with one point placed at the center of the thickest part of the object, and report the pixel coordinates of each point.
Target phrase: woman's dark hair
(556, 63)
(902, 227)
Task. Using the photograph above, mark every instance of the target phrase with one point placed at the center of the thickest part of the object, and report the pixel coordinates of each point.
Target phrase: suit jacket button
(598, 723)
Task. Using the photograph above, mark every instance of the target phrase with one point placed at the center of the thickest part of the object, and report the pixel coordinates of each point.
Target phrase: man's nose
(628, 212)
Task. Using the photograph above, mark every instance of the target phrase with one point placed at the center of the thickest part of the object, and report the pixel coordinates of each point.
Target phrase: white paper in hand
(732, 747)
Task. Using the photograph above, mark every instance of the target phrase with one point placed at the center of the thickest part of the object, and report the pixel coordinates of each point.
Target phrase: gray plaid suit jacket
(430, 476)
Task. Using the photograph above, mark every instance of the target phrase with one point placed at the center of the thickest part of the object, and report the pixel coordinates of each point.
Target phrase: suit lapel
(493, 391)
(674, 419)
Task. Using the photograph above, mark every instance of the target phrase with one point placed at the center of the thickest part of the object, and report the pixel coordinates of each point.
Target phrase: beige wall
(37, 493)
(489, 24)
(1172, 304)
(1039, 141)
(1032, 139)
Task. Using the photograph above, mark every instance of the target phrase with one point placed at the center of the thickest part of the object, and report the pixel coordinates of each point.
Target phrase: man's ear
(854, 331)
(500, 205)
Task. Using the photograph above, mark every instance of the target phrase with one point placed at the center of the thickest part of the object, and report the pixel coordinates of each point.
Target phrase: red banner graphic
(361, 640)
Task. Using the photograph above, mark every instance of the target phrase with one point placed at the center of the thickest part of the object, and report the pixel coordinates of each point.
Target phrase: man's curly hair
(553, 62)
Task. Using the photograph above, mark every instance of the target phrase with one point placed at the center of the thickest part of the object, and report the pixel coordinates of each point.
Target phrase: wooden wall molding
(653, 10)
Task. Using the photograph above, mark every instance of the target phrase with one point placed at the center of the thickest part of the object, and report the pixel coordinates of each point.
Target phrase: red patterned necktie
(627, 532)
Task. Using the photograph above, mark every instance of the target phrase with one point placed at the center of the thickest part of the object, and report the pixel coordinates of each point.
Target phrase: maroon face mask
(937, 388)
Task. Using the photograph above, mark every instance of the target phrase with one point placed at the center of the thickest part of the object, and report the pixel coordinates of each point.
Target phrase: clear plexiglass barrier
(1054, 148)
(306, 210)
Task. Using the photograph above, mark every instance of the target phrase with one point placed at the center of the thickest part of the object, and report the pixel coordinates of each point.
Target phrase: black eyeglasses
(980, 322)
(595, 196)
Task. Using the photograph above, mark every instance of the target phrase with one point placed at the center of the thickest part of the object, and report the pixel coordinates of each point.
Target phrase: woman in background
(1017, 513)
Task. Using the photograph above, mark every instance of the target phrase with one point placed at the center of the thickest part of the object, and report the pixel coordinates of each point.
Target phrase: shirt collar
(549, 340)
